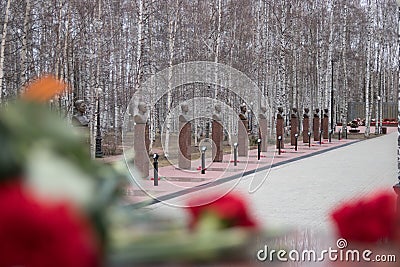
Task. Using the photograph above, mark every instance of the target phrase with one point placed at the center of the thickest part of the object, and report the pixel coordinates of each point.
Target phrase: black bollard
(320, 137)
(309, 139)
(295, 144)
(203, 160)
(155, 165)
(330, 136)
(340, 130)
(235, 146)
(345, 129)
(279, 144)
(258, 149)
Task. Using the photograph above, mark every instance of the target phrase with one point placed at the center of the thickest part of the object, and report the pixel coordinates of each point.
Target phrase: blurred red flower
(37, 234)
(231, 209)
(367, 220)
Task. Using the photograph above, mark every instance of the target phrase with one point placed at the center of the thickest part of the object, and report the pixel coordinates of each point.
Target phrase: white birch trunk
(24, 48)
(377, 88)
(139, 46)
(171, 47)
(368, 72)
(328, 74)
(319, 94)
(344, 63)
(282, 62)
(218, 43)
(2, 48)
(64, 69)
(58, 46)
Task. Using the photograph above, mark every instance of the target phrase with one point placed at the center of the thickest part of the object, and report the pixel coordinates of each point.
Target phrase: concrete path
(302, 193)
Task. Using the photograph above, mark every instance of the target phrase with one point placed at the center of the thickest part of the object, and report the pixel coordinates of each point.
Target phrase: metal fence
(357, 110)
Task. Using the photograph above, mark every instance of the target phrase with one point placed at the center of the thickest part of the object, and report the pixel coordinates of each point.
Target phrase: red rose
(36, 234)
(367, 220)
(231, 209)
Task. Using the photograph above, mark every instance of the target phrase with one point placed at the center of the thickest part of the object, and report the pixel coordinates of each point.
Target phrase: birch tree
(24, 48)
(344, 64)
(328, 78)
(3, 46)
(368, 71)
(217, 46)
(172, 28)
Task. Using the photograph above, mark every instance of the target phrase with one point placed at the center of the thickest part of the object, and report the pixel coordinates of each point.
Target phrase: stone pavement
(174, 182)
(302, 193)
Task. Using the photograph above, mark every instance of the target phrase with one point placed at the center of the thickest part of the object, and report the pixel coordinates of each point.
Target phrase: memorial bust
(294, 113)
(243, 110)
(80, 119)
(316, 114)
(326, 113)
(263, 110)
(141, 118)
(217, 113)
(279, 115)
(184, 115)
(306, 110)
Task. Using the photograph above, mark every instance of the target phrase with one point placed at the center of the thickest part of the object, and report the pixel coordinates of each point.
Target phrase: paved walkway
(175, 182)
(302, 193)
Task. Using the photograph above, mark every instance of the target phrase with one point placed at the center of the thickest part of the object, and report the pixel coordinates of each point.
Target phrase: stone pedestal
(141, 144)
(184, 155)
(306, 129)
(316, 125)
(294, 129)
(217, 137)
(81, 123)
(263, 129)
(243, 138)
(279, 132)
(325, 127)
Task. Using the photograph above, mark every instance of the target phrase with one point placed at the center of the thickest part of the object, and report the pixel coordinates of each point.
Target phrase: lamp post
(203, 160)
(235, 146)
(98, 151)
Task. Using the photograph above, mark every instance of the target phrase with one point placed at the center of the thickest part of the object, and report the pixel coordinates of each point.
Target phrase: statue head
(80, 106)
(280, 109)
(217, 108)
(326, 110)
(294, 110)
(306, 110)
(142, 107)
(243, 108)
(263, 109)
(184, 108)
